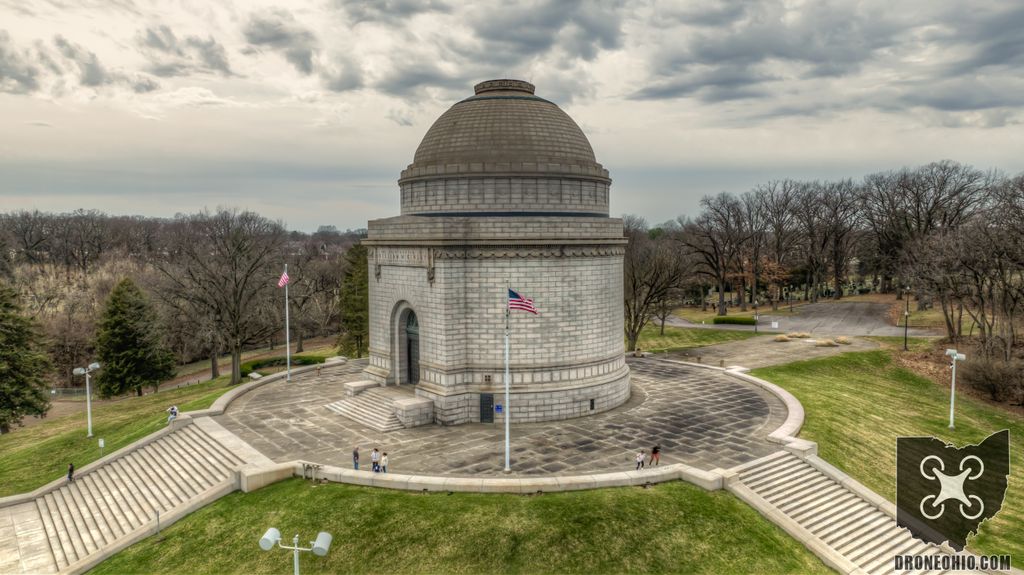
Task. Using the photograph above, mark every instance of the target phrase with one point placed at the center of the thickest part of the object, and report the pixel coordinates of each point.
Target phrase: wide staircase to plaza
(832, 515)
(374, 407)
(61, 529)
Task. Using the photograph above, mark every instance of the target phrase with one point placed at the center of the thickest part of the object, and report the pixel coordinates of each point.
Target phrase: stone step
(803, 486)
(217, 468)
(372, 420)
(227, 459)
(832, 494)
(836, 516)
(200, 468)
(370, 408)
(105, 505)
(65, 532)
(118, 495)
(56, 545)
(764, 476)
(844, 508)
(81, 538)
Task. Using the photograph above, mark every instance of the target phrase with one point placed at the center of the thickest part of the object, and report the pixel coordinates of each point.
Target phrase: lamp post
(955, 356)
(755, 316)
(88, 391)
(906, 321)
(319, 547)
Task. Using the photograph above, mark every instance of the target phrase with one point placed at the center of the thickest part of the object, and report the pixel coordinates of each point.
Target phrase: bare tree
(840, 225)
(651, 270)
(225, 264)
(777, 204)
(715, 238)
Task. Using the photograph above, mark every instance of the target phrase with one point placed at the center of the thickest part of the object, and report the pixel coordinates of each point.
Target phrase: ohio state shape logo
(944, 492)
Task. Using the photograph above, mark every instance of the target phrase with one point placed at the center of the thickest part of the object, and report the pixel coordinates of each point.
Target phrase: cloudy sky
(307, 110)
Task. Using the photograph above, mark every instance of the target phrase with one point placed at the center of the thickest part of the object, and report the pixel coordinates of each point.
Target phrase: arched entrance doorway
(412, 348)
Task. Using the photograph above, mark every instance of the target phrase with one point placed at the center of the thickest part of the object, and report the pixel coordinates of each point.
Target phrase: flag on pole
(516, 301)
(284, 279)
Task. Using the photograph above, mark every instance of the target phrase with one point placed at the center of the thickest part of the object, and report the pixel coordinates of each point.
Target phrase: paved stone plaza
(700, 417)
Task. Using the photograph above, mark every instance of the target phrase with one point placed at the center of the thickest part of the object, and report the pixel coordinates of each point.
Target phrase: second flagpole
(287, 331)
(508, 414)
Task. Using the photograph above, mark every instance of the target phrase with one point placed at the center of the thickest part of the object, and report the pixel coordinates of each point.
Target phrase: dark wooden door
(412, 333)
(486, 408)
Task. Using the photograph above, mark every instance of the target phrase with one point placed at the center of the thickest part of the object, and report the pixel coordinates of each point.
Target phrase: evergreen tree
(355, 303)
(128, 344)
(22, 365)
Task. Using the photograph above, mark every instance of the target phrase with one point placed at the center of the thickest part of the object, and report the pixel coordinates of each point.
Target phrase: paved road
(826, 319)
(700, 417)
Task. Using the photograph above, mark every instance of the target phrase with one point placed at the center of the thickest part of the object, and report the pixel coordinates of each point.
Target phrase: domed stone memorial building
(504, 190)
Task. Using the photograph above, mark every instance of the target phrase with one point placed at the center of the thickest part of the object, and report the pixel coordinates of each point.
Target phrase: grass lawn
(36, 455)
(670, 528)
(676, 338)
(858, 403)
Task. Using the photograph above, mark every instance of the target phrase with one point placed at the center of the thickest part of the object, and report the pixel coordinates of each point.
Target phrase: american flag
(283, 281)
(516, 301)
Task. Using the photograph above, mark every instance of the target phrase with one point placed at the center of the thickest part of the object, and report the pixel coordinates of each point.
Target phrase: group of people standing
(378, 461)
(641, 456)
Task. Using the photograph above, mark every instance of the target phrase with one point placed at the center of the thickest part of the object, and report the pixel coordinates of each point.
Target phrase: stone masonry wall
(496, 194)
(570, 353)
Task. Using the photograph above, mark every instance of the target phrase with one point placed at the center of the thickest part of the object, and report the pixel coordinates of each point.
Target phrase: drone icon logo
(952, 487)
(945, 492)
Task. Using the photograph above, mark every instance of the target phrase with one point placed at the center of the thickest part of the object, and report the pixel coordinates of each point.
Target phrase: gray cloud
(342, 74)
(91, 71)
(724, 51)
(410, 78)
(513, 32)
(171, 56)
(18, 75)
(390, 11)
(278, 30)
(400, 117)
(727, 82)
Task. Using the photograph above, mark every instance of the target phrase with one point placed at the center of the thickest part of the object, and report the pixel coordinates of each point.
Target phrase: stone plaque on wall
(407, 257)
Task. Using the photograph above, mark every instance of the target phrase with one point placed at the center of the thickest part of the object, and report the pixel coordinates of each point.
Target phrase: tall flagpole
(508, 414)
(287, 331)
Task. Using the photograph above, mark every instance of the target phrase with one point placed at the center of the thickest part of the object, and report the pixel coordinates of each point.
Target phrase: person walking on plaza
(375, 460)
(355, 458)
(384, 463)
(71, 472)
(173, 413)
(640, 460)
(655, 456)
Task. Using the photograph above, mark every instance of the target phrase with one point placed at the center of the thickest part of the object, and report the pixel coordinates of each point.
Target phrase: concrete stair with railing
(816, 504)
(63, 528)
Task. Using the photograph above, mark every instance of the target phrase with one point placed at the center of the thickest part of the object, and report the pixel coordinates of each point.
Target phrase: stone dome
(494, 140)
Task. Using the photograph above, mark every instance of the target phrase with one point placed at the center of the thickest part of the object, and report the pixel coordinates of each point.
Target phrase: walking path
(849, 318)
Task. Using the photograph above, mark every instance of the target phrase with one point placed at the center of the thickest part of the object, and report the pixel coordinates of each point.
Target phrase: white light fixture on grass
(319, 547)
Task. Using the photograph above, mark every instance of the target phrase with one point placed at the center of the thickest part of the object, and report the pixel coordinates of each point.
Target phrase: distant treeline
(212, 276)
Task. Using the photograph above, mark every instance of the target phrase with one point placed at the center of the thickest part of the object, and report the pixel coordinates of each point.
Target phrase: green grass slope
(670, 528)
(858, 403)
(35, 456)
